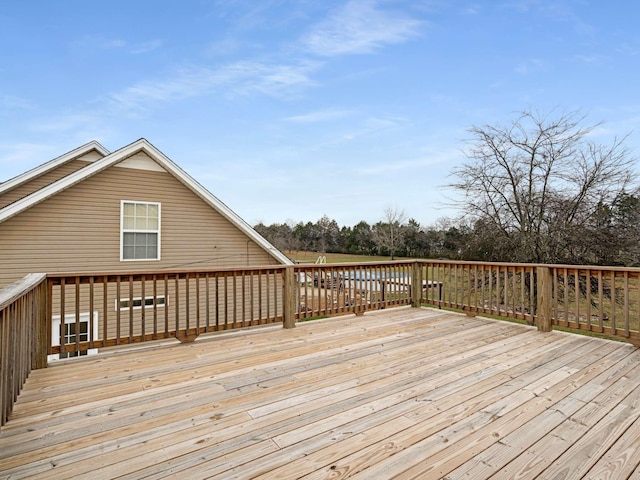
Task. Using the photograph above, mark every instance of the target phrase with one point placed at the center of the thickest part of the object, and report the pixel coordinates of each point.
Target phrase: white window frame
(69, 319)
(164, 301)
(123, 231)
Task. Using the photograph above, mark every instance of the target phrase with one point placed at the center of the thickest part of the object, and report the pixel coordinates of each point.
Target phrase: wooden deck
(401, 393)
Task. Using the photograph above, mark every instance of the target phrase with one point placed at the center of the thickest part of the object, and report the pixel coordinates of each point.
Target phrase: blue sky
(291, 110)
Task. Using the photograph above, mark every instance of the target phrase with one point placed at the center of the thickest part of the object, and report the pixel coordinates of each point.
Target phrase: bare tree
(535, 185)
(388, 233)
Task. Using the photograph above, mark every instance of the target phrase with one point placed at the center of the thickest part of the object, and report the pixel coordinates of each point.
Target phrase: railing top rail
(306, 266)
(14, 291)
(180, 271)
(472, 262)
(355, 264)
(548, 265)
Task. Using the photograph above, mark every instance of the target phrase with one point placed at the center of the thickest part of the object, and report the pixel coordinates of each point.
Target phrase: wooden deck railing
(23, 336)
(334, 289)
(117, 309)
(603, 300)
(75, 314)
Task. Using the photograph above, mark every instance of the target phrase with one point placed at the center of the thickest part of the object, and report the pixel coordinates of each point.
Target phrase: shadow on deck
(402, 393)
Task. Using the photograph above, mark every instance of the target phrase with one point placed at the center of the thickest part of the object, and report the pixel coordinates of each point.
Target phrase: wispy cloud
(145, 47)
(321, 115)
(116, 43)
(372, 126)
(361, 26)
(226, 46)
(241, 78)
(471, 10)
(63, 122)
(10, 102)
(413, 165)
(530, 66)
(592, 59)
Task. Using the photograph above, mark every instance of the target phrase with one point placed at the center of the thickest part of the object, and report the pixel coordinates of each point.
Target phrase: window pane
(140, 252)
(141, 216)
(128, 215)
(129, 210)
(128, 239)
(152, 223)
(152, 211)
(141, 210)
(127, 253)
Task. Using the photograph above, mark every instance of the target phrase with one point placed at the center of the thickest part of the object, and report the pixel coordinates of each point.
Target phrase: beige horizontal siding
(37, 183)
(78, 230)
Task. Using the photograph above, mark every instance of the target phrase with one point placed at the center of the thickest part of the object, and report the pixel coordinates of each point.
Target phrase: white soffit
(92, 156)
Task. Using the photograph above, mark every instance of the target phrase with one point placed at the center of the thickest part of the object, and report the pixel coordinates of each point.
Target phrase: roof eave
(50, 165)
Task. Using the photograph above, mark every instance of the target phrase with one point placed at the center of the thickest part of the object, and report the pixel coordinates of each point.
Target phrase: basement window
(81, 332)
(137, 303)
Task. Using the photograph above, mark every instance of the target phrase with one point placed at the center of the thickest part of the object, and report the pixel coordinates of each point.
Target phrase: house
(90, 210)
(131, 210)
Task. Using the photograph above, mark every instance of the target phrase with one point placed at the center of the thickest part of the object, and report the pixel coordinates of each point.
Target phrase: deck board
(401, 393)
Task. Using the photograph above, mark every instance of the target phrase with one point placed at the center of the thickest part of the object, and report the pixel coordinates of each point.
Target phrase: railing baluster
(143, 309)
(588, 298)
(63, 294)
(565, 297)
(91, 309)
(600, 301)
(268, 295)
(226, 301)
(626, 304)
(207, 302)
(166, 305)
(235, 299)
(613, 302)
(76, 337)
(176, 301)
(187, 303)
(252, 296)
(244, 301)
(217, 295)
(577, 295)
(198, 303)
(130, 308)
(155, 306)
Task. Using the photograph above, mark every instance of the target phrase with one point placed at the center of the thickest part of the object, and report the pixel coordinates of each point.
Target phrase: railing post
(289, 297)
(416, 284)
(544, 283)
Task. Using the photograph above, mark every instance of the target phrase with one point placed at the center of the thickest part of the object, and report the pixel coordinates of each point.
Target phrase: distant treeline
(447, 240)
(609, 236)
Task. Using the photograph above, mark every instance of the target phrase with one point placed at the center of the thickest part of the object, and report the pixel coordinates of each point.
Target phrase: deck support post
(416, 284)
(544, 311)
(289, 298)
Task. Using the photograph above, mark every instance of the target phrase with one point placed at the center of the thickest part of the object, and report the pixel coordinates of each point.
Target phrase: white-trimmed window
(139, 230)
(136, 303)
(87, 326)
